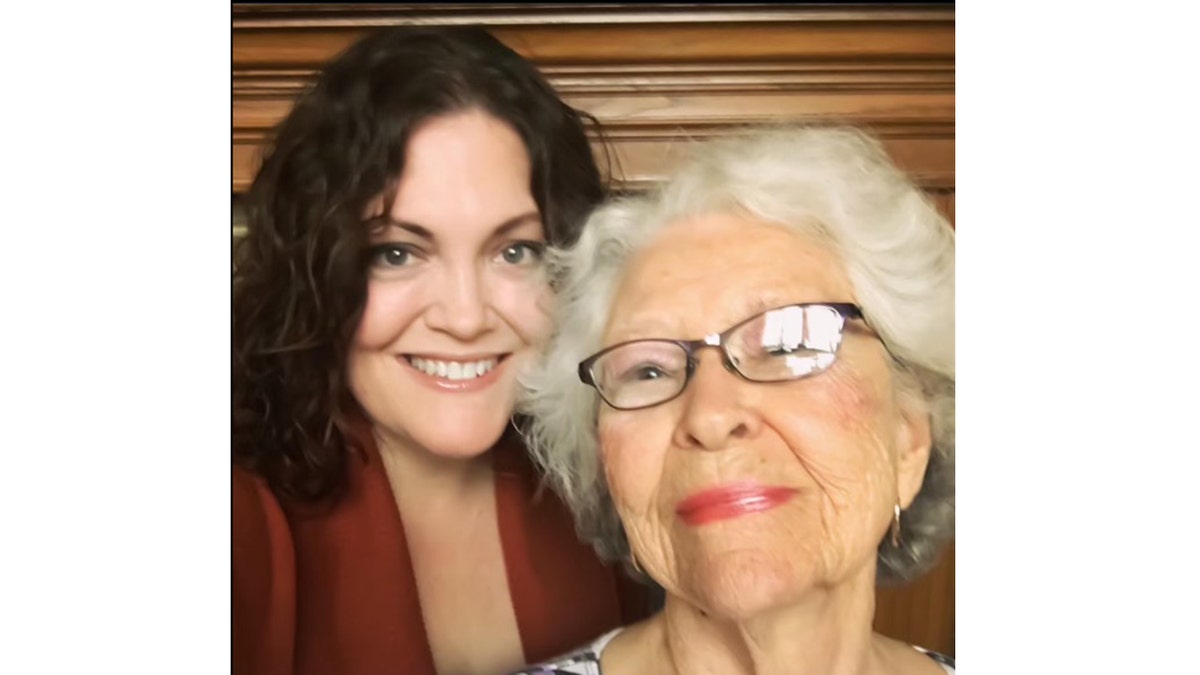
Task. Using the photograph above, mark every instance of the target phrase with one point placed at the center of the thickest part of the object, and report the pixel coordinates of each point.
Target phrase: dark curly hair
(300, 279)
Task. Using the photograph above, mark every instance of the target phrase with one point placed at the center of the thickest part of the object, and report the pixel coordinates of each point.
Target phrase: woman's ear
(914, 441)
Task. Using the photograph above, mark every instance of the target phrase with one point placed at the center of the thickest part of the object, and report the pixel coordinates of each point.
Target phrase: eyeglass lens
(781, 344)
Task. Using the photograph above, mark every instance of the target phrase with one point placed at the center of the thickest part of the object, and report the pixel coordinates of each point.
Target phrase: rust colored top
(335, 593)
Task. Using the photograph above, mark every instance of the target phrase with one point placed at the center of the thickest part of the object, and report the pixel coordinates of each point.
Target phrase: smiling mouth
(456, 371)
(731, 501)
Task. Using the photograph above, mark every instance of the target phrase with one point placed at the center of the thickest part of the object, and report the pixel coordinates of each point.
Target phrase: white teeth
(453, 370)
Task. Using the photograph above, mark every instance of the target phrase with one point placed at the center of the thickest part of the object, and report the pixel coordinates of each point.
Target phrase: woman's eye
(390, 255)
(648, 373)
(522, 253)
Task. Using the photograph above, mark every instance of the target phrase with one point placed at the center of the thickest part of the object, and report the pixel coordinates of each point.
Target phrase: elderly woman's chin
(741, 584)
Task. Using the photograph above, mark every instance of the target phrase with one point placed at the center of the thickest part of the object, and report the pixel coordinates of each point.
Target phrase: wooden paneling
(943, 199)
(921, 613)
(657, 76)
(673, 42)
(654, 75)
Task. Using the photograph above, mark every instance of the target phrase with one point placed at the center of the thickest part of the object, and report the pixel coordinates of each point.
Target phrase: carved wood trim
(654, 75)
(298, 15)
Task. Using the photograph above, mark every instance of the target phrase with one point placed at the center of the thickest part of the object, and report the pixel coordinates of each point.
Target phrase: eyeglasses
(782, 344)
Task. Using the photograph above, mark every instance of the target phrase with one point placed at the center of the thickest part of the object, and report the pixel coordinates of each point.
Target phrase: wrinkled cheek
(855, 410)
(847, 452)
(631, 471)
(852, 400)
(870, 422)
(612, 457)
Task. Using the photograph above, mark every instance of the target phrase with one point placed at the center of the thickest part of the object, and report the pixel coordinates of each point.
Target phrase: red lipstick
(731, 501)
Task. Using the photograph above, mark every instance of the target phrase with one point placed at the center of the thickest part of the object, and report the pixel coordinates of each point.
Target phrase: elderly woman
(768, 426)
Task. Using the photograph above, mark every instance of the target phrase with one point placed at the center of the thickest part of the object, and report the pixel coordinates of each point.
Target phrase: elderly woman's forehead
(722, 268)
(704, 230)
(693, 249)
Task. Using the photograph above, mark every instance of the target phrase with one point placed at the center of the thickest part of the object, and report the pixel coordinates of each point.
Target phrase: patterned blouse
(586, 661)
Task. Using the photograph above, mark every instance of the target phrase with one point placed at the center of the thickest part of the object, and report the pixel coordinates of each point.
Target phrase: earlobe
(915, 442)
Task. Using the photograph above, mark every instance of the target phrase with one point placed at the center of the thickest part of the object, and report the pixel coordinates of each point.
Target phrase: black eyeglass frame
(848, 311)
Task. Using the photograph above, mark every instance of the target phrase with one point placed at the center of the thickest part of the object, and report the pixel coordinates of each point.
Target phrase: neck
(827, 633)
(418, 475)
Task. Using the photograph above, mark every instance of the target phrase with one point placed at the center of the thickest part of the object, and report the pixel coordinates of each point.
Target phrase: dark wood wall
(656, 74)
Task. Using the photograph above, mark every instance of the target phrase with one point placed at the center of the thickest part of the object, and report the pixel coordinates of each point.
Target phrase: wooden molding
(655, 76)
(664, 43)
(297, 15)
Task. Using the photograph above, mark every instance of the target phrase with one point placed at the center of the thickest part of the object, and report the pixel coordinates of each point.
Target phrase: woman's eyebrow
(517, 221)
(383, 222)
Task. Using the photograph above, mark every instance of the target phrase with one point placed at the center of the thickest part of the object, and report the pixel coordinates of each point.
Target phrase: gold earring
(896, 524)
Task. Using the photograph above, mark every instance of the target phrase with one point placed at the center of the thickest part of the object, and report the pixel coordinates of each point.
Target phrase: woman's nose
(460, 305)
(715, 413)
